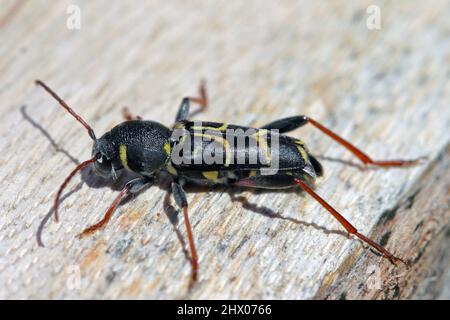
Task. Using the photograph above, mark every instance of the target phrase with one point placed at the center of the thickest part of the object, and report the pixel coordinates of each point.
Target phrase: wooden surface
(385, 90)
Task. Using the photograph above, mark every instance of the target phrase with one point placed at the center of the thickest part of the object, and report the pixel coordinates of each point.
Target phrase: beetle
(146, 148)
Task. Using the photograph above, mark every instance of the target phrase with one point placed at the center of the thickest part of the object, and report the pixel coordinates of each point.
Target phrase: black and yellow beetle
(147, 147)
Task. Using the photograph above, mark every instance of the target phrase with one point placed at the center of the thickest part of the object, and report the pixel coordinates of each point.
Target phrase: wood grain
(385, 90)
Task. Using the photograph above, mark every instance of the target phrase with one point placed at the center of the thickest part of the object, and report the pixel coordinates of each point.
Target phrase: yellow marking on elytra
(300, 143)
(123, 156)
(221, 140)
(211, 175)
(303, 153)
(262, 142)
(167, 148)
(223, 127)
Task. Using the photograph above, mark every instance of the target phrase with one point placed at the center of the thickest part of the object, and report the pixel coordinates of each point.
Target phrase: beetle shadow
(173, 214)
(44, 132)
(270, 213)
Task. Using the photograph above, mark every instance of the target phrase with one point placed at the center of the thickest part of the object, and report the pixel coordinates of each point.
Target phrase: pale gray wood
(386, 90)
(420, 221)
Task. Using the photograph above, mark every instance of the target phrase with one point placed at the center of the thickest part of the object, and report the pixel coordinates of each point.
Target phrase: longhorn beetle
(145, 147)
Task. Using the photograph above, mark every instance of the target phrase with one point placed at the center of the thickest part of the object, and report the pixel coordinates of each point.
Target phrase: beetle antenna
(66, 181)
(69, 109)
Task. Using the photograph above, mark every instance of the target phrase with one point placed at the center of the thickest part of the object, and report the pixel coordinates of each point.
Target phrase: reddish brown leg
(202, 99)
(358, 153)
(180, 198)
(107, 215)
(184, 108)
(194, 257)
(128, 116)
(347, 225)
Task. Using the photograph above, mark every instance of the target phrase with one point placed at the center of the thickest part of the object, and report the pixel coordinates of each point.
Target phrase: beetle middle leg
(134, 186)
(292, 123)
(202, 100)
(180, 198)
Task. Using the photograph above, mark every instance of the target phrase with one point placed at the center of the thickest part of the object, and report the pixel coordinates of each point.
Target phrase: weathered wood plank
(419, 220)
(387, 90)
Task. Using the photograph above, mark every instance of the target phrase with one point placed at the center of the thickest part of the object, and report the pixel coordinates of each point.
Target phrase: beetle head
(103, 151)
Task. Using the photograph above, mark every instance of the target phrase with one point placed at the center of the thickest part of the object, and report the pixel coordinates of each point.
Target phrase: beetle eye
(102, 165)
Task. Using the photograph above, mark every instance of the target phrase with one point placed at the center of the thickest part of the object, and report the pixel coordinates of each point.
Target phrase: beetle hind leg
(286, 124)
(292, 123)
(347, 225)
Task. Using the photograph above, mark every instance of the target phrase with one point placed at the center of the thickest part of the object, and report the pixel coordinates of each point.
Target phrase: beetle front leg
(134, 186)
(180, 198)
